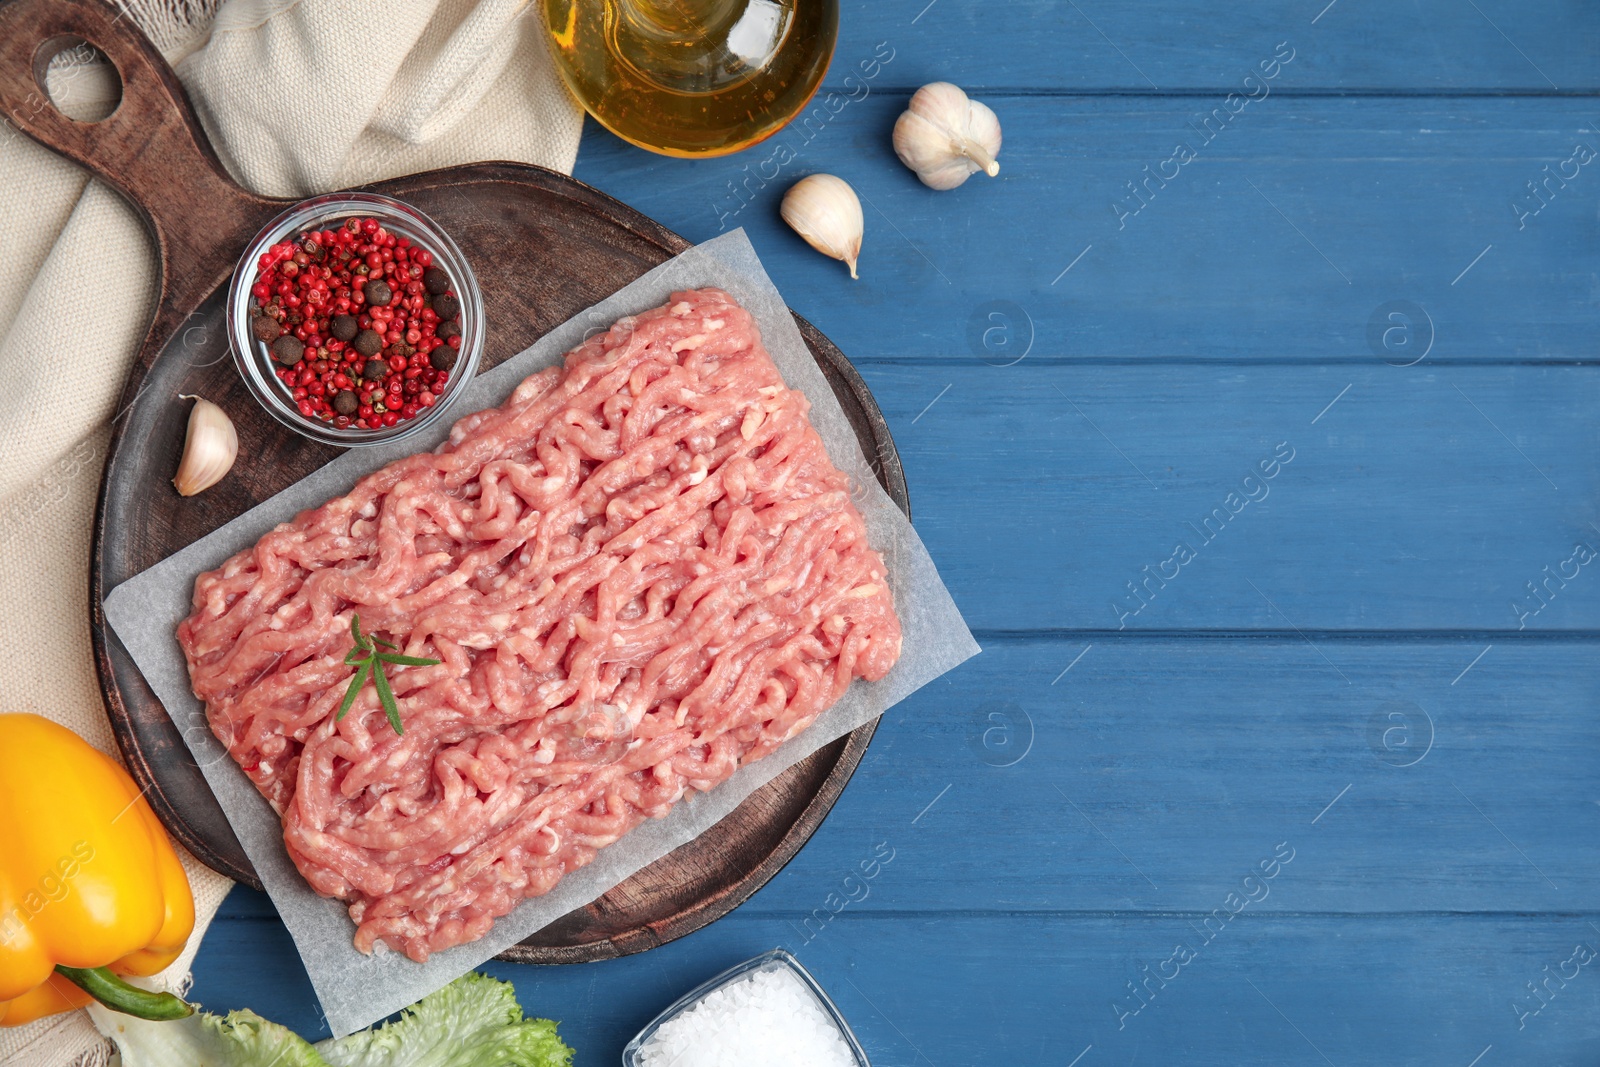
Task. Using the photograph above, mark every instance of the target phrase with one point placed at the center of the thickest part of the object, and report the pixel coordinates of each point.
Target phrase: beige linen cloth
(298, 97)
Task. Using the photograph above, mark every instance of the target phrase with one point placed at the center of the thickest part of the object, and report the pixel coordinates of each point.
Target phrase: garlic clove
(825, 211)
(209, 448)
(945, 137)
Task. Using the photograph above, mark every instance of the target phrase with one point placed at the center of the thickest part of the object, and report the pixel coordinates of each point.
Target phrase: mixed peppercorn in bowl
(354, 319)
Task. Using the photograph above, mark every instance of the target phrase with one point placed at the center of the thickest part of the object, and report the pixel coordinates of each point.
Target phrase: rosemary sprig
(369, 662)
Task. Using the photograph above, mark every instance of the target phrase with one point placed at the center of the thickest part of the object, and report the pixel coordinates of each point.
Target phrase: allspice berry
(442, 358)
(446, 307)
(378, 293)
(375, 370)
(345, 403)
(435, 280)
(343, 327)
(447, 330)
(288, 350)
(368, 343)
(265, 328)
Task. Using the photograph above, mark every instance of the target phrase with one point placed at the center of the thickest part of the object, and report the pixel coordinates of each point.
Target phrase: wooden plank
(1021, 990)
(1285, 238)
(1154, 774)
(1100, 45)
(1422, 498)
(967, 989)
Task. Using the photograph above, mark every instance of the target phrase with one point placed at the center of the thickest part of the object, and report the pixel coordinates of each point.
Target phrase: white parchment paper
(356, 989)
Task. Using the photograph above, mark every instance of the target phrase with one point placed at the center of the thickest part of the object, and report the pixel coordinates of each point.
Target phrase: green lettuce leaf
(474, 1021)
(239, 1039)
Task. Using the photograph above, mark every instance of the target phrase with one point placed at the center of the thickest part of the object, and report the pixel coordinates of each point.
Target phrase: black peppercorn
(343, 327)
(265, 328)
(435, 280)
(368, 343)
(447, 330)
(375, 370)
(345, 403)
(442, 358)
(288, 350)
(378, 293)
(446, 307)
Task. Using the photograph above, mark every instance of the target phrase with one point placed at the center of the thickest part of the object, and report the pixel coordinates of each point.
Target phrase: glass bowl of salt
(766, 1012)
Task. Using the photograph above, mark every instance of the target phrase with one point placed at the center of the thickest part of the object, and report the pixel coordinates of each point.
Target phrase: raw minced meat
(639, 573)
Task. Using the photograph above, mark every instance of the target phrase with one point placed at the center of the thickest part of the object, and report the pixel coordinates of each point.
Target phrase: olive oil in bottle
(692, 77)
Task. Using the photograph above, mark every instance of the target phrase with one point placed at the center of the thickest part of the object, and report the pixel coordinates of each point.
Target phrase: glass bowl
(776, 960)
(325, 212)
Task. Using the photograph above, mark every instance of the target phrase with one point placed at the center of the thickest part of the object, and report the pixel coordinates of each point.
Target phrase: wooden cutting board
(544, 247)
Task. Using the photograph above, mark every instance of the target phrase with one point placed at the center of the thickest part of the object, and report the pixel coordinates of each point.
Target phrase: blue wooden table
(1251, 418)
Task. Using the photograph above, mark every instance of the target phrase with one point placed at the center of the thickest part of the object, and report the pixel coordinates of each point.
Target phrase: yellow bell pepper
(89, 885)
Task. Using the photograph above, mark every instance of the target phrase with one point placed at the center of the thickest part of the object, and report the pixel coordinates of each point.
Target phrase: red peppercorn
(376, 284)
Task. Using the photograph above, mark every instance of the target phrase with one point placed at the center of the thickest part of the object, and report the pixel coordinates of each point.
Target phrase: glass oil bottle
(692, 77)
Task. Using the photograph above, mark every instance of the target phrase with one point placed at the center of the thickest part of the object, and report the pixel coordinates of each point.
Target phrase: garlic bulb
(209, 448)
(824, 210)
(945, 137)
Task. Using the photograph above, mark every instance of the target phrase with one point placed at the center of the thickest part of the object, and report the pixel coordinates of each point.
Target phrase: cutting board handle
(151, 148)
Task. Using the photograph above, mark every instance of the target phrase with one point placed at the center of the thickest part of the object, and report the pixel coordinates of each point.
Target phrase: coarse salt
(766, 1018)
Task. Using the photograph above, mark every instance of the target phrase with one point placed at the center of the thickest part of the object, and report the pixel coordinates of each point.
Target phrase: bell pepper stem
(121, 996)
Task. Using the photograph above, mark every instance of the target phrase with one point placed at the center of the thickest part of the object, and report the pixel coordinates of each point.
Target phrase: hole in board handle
(77, 79)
